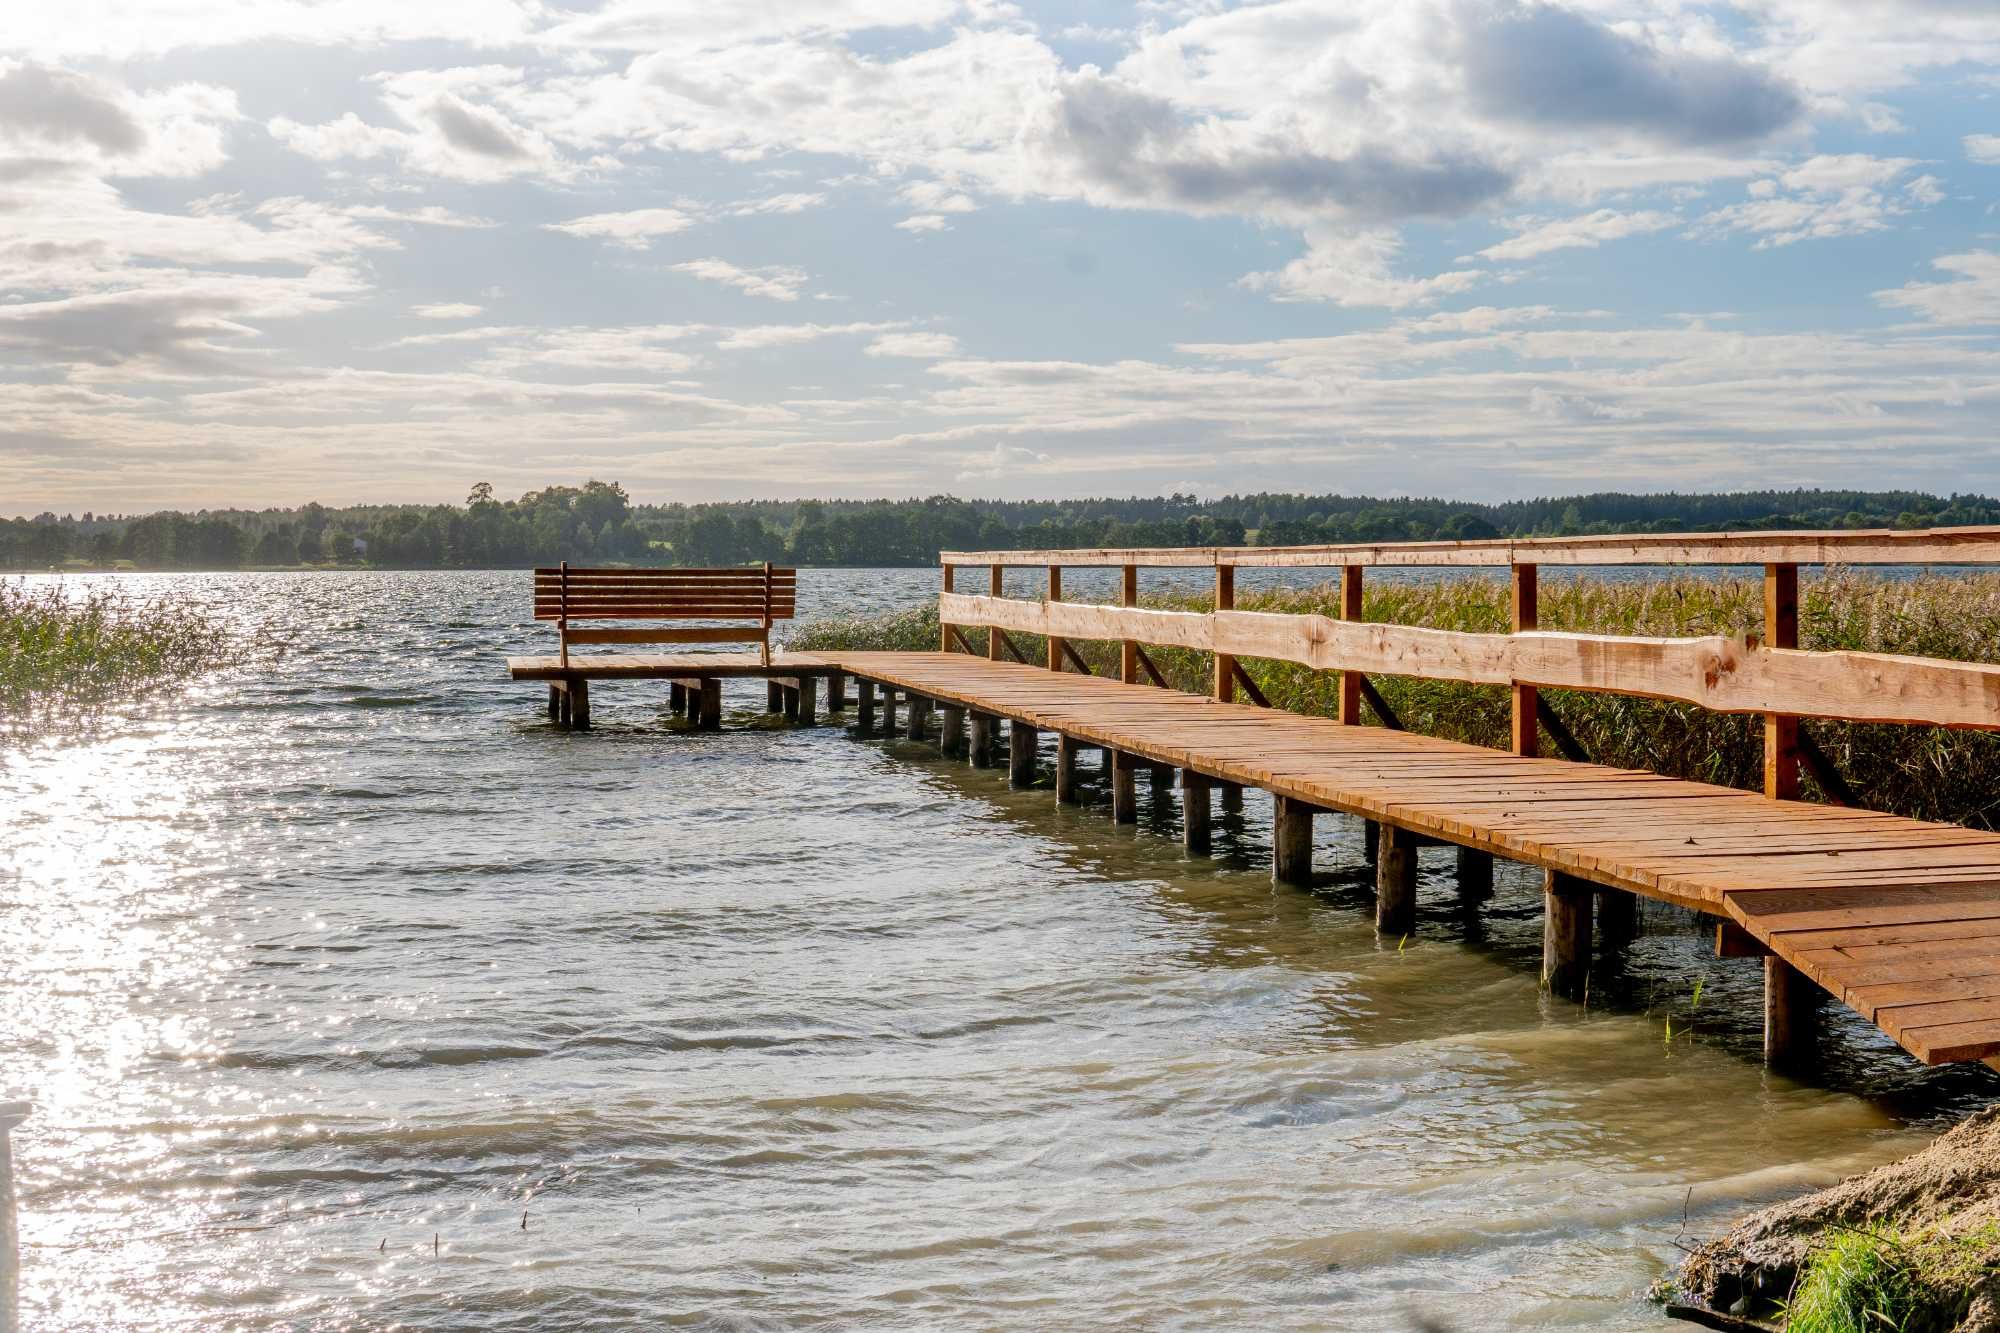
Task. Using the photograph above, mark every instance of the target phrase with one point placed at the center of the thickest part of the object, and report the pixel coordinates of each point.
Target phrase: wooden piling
(555, 703)
(1565, 934)
(1371, 841)
(805, 702)
(1022, 743)
(1525, 613)
(951, 731)
(1232, 797)
(864, 705)
(579, 705)
(1291, 842)
(711, 704)
(1781, 731)
(677, 698)
(836, 692)
(888, 727)
(1124, 788)
(1195, 820)
(1617, 916)
(1396, 882)
(1791, 1015)
(1475, 873)
(982, 740)
(774, 697)
(920, 716)
(1068, 748)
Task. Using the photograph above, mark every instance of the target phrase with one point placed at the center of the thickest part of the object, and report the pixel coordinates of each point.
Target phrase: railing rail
(1876, 546)
(1766, 674)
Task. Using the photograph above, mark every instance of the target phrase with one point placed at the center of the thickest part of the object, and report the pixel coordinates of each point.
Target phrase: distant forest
(597, 523)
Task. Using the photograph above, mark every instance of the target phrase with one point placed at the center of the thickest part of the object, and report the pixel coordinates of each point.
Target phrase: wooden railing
(1766, 674)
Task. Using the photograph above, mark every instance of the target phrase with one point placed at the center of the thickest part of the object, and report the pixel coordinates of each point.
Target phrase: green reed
(64, 659)
(1928, 773)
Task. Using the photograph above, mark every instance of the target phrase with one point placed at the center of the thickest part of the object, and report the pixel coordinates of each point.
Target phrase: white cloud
(1824, 197)
(777, 282)
(1003, 460)
(1588, 230)
(1351, 269)
(787, 335)
(923, 222)
(797, 201)
(635, 229)
(447, 310)
(928, 346)
(1983, 149)
(1973, 297)
(450, 126)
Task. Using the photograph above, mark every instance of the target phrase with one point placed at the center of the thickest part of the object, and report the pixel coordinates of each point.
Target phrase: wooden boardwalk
(1898, 918)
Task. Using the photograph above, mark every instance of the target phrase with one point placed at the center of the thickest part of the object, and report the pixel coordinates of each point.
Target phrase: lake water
(353, 995)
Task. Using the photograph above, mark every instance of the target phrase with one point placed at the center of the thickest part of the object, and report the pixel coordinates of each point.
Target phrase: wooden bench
(753, 597)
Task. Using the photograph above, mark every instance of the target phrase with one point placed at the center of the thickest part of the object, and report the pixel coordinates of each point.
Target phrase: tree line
(597, 523)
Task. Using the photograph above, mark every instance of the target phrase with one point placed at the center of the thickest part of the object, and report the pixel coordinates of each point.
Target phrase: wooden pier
(1898, 918)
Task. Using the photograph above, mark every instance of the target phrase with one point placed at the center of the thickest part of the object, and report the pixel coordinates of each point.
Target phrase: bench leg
(1194, 812)
(1124, 787)
(1396, 882)
(1566, 904)
(711, 704)
(1291, 842)
(1068, 748)
(1022, 743)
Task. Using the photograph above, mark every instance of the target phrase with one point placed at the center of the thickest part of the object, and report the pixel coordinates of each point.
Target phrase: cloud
(928, 346)
(1973, 297)
(923, 222)
(1353, 269)
(1983, 149)
(776, 282)
(1543, 65)
(787, 335)
(442, 130)
(1002, 460)
(1825, 197)
(1587, 231)
(58, 107)
(795, 202)
(634, 229)
(447, 310)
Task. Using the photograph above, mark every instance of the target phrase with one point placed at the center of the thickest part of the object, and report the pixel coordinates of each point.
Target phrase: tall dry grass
(65, 659)
(1928, 773)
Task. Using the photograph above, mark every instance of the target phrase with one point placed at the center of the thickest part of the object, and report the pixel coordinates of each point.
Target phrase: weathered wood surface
(1872, 546)
(1724, 674)
(668, 666)
(1898, 918)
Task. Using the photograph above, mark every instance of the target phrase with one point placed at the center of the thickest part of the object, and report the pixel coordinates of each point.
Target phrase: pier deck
(1896, 917)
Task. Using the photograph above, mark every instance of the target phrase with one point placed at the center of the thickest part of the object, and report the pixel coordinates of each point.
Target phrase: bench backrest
(759, 594)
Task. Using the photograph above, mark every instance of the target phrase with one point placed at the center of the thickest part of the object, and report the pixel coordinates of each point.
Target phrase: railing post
(1055, 656)
(1128, 649)
(996, 587)
(1225, 665)
(944, 627)
(1781, 731)
(1350, 680)
(1527, 700)
(11, 1115)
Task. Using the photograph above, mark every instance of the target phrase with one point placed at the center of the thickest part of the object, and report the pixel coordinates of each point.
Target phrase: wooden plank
(696, 634)
(1728, 675)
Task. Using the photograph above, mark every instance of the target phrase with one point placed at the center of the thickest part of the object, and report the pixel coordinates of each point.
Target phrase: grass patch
(64, 659)
(1926, 773)
(1873, 1281)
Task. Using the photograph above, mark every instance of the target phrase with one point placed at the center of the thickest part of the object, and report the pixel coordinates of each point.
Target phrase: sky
(259, 252)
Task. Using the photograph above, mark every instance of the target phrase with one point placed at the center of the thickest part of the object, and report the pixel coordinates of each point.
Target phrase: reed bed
(65, 659)
(1926, 773)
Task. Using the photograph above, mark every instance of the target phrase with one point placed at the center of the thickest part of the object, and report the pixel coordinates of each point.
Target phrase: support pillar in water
(677, 698)
(1475, 873)
(864, 708)
(1291, 842)
(555, 703)
(836, 692)
(1022, 743)
(1617, 916)
(1566, 904)
(804, 703)
(888, 713)
(1791, 1015)
(951, 731)
(711, 704)
(982, 739)
(1195, 812)
(1124, 788)
(579, 704)
(1371, 840)
(1068, 749)
(774, 697)
(1395, 881)
(920, 716)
